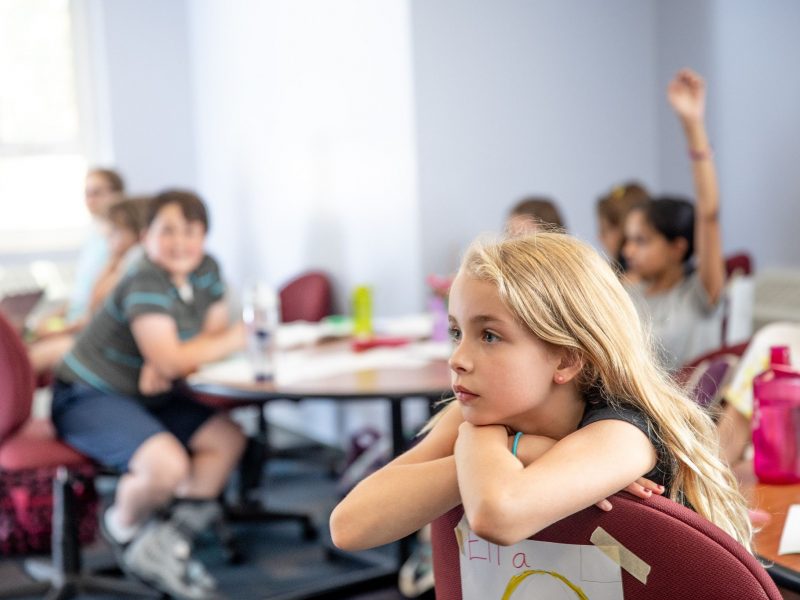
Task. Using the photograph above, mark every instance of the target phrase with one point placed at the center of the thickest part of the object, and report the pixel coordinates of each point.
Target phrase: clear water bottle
(261, 314)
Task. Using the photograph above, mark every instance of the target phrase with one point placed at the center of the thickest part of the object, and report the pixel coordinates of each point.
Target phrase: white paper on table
(545, 570)
(790, 538)
(307, 365)
(294, 366)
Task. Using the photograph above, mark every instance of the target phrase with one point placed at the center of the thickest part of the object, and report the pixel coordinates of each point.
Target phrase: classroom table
(774, 500)
(364, 377)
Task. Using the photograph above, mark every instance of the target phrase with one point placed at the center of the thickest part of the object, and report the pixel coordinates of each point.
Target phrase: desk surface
(429, 379)
(775, 500)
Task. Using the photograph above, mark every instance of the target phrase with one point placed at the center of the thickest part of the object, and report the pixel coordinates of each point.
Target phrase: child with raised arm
(682, 304)
(551, 361)
(120, 399)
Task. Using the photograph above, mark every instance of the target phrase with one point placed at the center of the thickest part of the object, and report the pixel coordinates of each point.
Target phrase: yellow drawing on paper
(516, 580)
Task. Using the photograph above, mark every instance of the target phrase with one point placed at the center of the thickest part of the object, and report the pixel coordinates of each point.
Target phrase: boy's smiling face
(173, 243)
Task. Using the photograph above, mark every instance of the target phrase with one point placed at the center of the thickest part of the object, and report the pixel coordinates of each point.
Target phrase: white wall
(305, 133)
(517, 97)
(297, 121)
(757, 54)
(145, 80)
(747, 52)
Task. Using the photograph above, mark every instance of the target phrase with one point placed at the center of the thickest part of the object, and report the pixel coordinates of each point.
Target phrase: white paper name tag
(790, 538)
(534, 570)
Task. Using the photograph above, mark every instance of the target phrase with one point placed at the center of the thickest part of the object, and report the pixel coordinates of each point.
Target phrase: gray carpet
(278, 563)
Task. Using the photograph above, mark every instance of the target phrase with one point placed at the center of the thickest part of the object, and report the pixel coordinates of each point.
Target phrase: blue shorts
(109, 428)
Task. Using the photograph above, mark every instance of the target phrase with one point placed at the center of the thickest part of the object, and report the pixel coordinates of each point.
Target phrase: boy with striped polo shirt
(119, 397)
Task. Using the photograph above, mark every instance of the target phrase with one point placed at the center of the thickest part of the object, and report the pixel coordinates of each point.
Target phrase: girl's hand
(641, 488)
(470, 435)
(151, 382)
(687, 95)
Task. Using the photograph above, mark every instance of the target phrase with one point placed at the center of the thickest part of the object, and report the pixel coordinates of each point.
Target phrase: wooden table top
(431, 380)
(775, 500)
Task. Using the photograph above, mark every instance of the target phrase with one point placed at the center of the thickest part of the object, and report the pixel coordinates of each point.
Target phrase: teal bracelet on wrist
(517, 436)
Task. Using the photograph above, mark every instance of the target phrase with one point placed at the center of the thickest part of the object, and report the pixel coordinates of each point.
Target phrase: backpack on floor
(26, 509)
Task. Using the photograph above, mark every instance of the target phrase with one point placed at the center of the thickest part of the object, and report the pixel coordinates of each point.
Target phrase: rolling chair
(307, 297)
(29, 443)
(688, 556)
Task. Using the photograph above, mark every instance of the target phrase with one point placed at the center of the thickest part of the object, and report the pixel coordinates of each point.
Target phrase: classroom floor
(278, 561)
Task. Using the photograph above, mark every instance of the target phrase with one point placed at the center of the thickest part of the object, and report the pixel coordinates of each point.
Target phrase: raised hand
(687, 95)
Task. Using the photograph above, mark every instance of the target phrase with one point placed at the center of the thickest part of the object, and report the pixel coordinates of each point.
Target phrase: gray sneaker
(160, 555)
(194, 517)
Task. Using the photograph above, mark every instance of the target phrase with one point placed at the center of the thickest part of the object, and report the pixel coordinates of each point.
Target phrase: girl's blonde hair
(565, 293)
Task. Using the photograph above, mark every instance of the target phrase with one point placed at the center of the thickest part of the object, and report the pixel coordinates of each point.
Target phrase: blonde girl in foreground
(548, 344)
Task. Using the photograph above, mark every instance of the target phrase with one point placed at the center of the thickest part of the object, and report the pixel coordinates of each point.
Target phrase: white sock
(122, 533)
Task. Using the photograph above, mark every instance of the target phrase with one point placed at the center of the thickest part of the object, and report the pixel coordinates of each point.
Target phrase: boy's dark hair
(672, 217)
(190, 204)
(542, 209)
(130, 214)
(113, 178)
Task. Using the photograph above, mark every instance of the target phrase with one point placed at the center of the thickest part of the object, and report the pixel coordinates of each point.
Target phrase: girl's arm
(406, 494)
(156, 335)
(505, 502)
(687, 95)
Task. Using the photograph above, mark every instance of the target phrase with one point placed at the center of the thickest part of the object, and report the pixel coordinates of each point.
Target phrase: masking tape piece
(459, 537)
(620, 554)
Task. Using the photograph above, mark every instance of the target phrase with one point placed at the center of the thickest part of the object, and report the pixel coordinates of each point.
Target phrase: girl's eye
(455, 333)
(490, 337)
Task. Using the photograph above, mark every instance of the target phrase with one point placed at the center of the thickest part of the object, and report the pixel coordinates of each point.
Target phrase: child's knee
(228, 437)
(236, 438)
(166, 474)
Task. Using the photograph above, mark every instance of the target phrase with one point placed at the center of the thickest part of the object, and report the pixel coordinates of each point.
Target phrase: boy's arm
(157, 337)
(505, 502)
(217, 318)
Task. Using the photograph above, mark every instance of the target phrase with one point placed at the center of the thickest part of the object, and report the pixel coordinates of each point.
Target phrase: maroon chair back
(306, 298)
(687, 371)
(740, 264)
(689, 557)
(16, 380)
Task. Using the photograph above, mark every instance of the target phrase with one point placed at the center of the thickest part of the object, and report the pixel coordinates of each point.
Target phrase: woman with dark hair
(681, 302)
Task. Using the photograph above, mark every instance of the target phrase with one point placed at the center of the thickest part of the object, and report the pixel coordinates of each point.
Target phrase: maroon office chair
(689, 557)
(735, 265)
(705, 376)
(27, 443)
(738, 264)
(306, 298)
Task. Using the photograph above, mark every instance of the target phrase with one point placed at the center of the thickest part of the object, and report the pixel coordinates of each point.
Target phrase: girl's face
(173, 243)
(98, 194)
(648, 253)
(500, 372)
(611, 237)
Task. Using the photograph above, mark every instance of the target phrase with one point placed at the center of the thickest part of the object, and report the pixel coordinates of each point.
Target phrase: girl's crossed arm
(505, 502)
(422, 484)
(406, 494)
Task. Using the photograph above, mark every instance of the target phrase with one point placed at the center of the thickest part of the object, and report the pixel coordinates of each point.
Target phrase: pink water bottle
(776, 420)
